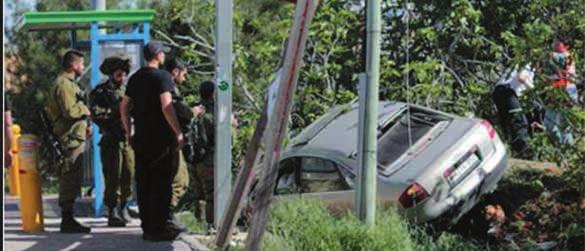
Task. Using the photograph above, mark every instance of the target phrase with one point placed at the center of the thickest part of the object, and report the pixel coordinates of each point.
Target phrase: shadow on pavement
(90, 242)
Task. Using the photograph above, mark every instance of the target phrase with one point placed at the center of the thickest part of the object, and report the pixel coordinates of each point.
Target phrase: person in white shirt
(511, 116)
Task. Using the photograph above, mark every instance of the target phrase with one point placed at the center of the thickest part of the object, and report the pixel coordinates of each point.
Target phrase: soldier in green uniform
(203, 139)
(204, 147)
(69, 116)
(185, 115)
(117, 155)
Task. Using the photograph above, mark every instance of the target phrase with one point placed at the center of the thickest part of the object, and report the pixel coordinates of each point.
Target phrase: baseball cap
(154, 47)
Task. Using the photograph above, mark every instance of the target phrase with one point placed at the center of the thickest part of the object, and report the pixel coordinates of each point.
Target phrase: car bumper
(466, 194)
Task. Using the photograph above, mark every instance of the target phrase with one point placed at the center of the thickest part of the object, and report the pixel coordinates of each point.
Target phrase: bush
(444, 241)
(307, 225)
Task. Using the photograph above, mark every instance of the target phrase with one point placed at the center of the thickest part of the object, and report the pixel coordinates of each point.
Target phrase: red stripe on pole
(290, 75)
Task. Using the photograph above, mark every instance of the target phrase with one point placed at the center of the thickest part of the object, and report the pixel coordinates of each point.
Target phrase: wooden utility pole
(278, 123)
(243, 181)
(368, 142)
(223, 107)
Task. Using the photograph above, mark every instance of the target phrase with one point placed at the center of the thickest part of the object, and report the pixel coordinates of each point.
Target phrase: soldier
(69, 116)
(204, 147)
(157, 141)
(185, 116)
(117, 156)
(203, 139)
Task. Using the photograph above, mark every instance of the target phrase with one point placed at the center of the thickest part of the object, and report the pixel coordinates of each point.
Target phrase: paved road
(101, 237)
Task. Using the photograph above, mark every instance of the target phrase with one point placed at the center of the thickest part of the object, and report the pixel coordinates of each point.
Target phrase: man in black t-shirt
(156, 141)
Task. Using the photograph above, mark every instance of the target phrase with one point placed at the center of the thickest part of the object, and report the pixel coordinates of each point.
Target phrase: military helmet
(111, 64)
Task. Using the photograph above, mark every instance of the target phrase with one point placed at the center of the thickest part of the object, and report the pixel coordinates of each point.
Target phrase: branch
(190, 39)
(169, 40)
(459, 80)
(194, 67)
(203, 72)
(250, 98)
(199, 36)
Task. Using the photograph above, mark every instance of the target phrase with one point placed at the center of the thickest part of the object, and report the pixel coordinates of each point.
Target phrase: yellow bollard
(13, 180)
(31, 207)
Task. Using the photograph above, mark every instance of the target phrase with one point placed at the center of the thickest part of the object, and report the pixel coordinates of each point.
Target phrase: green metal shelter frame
(139, 32)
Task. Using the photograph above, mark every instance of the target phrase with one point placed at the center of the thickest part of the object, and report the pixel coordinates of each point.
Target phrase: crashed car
(430, 163)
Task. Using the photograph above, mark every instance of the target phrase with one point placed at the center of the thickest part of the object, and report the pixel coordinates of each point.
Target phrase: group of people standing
(559, 74)
(145, 126)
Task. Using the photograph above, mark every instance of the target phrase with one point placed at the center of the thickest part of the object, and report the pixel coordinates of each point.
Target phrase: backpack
(198, 140)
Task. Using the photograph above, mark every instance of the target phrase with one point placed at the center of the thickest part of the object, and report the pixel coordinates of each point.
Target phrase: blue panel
(146, 32)
(120, 37)
(97, 162)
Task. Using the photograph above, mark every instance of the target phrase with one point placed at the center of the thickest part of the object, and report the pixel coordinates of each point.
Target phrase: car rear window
(395, 138)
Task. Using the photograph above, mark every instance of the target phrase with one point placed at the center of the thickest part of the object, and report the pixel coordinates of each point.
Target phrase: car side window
(287, 182)
(320, 175)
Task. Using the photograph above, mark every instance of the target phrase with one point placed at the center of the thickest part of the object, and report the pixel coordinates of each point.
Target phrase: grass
(444, 241)
(189, 220)
(307, 225)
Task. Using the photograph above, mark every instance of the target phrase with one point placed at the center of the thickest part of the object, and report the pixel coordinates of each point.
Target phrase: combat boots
(167, 234)
(70, 225)
(114, 218)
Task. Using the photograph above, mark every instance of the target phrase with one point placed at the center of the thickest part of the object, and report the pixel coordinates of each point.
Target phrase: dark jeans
(512, 118)
(154, 180)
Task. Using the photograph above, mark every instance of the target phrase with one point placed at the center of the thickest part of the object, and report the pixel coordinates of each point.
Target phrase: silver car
(430, 163)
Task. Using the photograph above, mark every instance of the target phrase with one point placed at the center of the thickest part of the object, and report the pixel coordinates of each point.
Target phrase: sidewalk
(101, 237)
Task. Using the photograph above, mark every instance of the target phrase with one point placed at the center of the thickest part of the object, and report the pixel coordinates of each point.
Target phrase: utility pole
(242, 186)
(223, 107)
(278, 122)
(366, 199)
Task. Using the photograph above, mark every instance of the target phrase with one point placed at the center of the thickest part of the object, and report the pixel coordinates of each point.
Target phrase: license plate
(464, 167)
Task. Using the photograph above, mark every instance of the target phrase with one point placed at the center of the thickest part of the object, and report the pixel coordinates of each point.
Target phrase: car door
(287, 182)
(324, 180)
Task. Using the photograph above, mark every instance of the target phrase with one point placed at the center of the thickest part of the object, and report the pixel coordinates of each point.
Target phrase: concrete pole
(96, 161)
(369, 139)
(223, 107)
(99, 5)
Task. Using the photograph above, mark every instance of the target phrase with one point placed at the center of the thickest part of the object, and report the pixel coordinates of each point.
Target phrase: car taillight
(413, 195)
(448, 172)
(489, 127)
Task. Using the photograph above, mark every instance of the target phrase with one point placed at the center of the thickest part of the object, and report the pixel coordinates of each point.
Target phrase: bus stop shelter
(111, 32)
